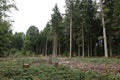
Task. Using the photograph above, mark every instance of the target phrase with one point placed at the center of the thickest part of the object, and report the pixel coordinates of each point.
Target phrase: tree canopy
(86, 29)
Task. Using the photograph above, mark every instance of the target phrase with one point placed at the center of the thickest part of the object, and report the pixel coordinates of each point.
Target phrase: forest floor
(61, 68)
(99, 65)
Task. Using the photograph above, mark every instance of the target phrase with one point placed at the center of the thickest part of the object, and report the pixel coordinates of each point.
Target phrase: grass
(12, 69)
(98, 60)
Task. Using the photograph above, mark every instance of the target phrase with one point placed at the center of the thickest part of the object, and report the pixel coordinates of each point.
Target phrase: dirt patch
(101, 68)
(97, 67)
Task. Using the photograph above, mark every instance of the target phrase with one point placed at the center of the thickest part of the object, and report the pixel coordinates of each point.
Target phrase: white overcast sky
(34, 12)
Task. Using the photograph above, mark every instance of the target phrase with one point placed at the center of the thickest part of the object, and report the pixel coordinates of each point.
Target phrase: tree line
(88, 28)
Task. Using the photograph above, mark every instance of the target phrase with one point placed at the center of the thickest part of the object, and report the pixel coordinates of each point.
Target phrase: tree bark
(59, 49)
(70, 34)
(110, 36)
(118, 49)
(110, 45)
(78, 51)
(104, 30)
(88, 49)
(95, 50)
(55, 45)
(91, 47)
(83, 54)
(46, 47)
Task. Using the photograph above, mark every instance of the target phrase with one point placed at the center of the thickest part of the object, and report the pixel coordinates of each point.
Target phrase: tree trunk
(88, 49)
(95, 50)
(46, 47)
(70, 35)
(110, 36)
(33, 54)
(78, 51)
(83, 54)
(55, 45)
(104, 31)
(118, 49)
(59, 49)
(91, 47)
(110, 45)
(98, 48)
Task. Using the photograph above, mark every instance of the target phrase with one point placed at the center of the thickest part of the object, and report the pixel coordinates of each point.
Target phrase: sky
(34, 12)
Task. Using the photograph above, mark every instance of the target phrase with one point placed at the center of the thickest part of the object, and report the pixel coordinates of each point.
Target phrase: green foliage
(56, 28)
(116, 13)
(5, 31)
(56, 20)
(5, 38)
(31, 39)
(85, 13)
(17, 40)
(6, 6)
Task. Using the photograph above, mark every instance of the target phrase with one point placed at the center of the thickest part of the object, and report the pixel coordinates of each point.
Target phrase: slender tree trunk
(98, 49)
(95, 50)
(118, 49)
(33, 54)
(37, 50)
(55, 45)
(104, 31)
(91, 49)
(110, 35)
(110, 45)
(46, 47)
(70, 35)
(78, 51)
(88, 50)
(59, 49)
(83, 54)
(44, 50)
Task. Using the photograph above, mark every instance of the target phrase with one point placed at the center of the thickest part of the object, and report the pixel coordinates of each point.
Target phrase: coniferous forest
(88, 28)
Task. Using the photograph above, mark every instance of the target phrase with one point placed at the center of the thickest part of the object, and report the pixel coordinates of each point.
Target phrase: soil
(97, 67)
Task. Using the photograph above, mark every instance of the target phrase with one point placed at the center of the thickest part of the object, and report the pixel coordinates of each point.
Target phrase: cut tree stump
(25, 65)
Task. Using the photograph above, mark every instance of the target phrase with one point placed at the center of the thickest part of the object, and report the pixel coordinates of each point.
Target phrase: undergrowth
(41, 70)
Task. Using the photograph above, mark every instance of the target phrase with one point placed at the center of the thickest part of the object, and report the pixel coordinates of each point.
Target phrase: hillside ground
(48, 68)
